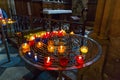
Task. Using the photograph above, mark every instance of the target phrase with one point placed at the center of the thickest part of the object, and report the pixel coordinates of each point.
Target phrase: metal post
(60, 75)
(5, 43)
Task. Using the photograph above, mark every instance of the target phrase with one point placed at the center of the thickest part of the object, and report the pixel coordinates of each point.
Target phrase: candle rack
(60, 51)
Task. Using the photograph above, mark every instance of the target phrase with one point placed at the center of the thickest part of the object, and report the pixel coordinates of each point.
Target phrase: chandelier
(58, 50)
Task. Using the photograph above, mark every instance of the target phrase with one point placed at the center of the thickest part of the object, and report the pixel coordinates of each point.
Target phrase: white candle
(36, 58)
(29, 53)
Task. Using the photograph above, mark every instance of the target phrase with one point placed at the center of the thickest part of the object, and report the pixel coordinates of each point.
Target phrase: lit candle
(84, 49)
(31, 40)
(72, 33)
(46, 35)
(61, 49)
(35, 57)
(47, 61)
(54, 33)
(39, 44)
(1, 17)
(60, 33)
(9, 21)
(50, 42)
(25, 47)
(79, 59)
(4, 22)
(29, 53)
(51, 48)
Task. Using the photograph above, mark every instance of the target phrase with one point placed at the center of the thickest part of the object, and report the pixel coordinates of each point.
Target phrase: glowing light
(25, 47)
(39, 44)
(61, 49)
(72, 33)
(51, 48)
(84, 49)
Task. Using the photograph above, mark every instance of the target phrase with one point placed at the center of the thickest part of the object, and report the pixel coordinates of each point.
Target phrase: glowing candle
(37, 39)
(39, 44)
(72, 33)
(51, 48)
(9, 21)
(4, 22)
(35, 58)
(54, 33)
(50, 42)
(0, 17)
(47, 61)
(79, 59)
(29, 53)
(63, 32)
(60, 33)
(61, 49)
(25, 47)
(31, 40)
(84, 49)
(46, 35)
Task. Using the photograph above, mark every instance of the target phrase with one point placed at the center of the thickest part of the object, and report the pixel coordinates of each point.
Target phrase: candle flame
(72, 33)
(48, 59)
(61, 47)
(84, 49)
(35, 57)
(29, 53)
(32, 38)
(80, 57)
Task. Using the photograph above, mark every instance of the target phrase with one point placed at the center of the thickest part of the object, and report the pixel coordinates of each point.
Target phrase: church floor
(16, 70)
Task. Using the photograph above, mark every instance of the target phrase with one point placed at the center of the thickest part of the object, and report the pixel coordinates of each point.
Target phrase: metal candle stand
(76, 52)
(11, 61)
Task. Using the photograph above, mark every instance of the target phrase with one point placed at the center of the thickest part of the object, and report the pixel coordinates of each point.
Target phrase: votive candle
(39, 44)
(79, 59)
(31, 40)
(51, 48)
(25, 47)
(84, 49)
(61, 49)
(47, 61)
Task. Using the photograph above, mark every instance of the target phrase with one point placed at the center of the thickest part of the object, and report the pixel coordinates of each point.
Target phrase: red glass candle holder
(46, 35)
(31, 40)
(54, 33)
(60, 33)
(47, 61)
(64, 61)
(79, 60)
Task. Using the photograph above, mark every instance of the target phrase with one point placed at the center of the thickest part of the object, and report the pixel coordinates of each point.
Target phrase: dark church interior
(59, 40)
